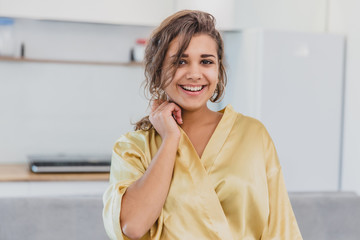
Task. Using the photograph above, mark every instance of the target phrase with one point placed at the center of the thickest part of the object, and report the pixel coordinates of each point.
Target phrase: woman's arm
(282, 222)
(143, 200)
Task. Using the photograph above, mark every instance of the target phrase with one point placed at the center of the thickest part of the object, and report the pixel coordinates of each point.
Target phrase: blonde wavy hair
(183, 25)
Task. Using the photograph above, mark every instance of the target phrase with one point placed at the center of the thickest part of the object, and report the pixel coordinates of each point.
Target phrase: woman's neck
(194, 119)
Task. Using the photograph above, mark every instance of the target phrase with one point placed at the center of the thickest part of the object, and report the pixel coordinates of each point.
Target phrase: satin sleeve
(281, 224)
(126, 167)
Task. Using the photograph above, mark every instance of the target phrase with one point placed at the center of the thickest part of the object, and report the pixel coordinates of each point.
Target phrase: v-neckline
(216, 140)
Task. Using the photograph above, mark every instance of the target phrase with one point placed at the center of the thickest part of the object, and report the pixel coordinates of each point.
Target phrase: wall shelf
(126, 64)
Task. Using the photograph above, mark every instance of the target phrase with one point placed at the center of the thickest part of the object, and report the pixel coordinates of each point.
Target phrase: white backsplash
(64, 108)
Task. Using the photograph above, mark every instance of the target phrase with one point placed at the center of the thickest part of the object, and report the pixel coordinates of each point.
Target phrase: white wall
(48, 108)
(77, 41)
(63, 108)
(345, 18)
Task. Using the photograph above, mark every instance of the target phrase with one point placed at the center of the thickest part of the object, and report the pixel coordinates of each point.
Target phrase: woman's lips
(192, 90)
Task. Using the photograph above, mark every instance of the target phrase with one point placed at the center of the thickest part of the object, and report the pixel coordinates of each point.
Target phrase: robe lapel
(218, 138)
(200, 169)
(207, 203)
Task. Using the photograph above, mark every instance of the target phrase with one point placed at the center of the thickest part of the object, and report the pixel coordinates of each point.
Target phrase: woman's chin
(192, 107)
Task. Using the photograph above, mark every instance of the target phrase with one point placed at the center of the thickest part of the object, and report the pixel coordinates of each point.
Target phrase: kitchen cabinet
(136, 12)
(298, 15)
(294, 15)
(223, 11)
(344, 18)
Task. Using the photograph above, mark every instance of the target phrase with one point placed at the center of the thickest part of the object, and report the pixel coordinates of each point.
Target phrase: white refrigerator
(293, 82)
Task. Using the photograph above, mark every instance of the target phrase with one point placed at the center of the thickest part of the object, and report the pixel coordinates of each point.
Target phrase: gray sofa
(327, 216)
(321, 216)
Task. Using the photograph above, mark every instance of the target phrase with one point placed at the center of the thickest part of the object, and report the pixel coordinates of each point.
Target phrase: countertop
(21, 172)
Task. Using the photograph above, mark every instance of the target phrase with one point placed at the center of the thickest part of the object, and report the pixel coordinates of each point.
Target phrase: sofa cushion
(321, 216)
(328, 215)
(51, 218)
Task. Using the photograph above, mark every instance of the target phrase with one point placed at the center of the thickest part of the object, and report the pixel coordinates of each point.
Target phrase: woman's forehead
(199, 43)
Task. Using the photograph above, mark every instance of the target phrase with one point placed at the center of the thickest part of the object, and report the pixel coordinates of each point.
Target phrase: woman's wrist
(171, 139)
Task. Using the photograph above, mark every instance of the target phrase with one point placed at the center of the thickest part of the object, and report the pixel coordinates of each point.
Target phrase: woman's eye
(181, 62)
(206, 61)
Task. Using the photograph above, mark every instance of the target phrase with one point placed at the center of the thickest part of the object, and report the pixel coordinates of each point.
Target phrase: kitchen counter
(16, 180)
(21, 172)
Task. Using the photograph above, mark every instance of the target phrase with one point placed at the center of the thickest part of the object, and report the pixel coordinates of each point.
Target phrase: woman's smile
(192, 90)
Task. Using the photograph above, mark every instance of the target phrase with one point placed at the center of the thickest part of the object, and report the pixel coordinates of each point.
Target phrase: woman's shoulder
(248, 120)
(250, 128)
(247, 126)
(134, 143)
(245, 121)
(139, 138)
(134, 148)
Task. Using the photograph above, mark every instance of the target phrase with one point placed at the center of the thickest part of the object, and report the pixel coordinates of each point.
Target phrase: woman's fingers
(177, 114)
(172, 109)
(165, 109)
(159, 106)
(165, 117)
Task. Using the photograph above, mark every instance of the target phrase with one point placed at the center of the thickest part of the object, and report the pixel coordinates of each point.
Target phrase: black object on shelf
(22, 50)
(69, 163)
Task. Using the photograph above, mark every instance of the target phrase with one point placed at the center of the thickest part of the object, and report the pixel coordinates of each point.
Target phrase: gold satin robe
(234, 191)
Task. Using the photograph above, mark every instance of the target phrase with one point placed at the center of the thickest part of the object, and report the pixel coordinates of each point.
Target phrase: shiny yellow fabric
(234, 191)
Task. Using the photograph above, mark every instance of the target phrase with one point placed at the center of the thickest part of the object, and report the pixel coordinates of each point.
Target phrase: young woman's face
(196, 78)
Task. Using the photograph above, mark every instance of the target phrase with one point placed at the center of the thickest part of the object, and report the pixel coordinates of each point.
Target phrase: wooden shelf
(128, 64)
(21, 172)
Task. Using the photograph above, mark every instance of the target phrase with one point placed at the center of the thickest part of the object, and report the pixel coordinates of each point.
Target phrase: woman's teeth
(192, 89)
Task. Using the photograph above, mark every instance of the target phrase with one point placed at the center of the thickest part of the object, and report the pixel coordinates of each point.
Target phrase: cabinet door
(223, 11)
(301, 104)
(293, 83)
(141, 12)
(297, 15)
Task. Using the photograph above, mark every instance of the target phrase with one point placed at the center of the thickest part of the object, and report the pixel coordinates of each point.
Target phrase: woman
(188, 172)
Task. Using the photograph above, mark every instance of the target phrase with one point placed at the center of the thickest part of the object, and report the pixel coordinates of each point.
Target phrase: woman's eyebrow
(207, 55)
(184, 55)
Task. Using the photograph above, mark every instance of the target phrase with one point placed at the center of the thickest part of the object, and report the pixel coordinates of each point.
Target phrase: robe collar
(216, 141)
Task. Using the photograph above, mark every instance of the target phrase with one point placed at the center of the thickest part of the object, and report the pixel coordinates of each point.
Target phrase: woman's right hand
(164, 117)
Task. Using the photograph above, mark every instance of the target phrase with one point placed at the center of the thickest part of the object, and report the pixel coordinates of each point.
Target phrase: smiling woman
(196, 77)
(187, 172)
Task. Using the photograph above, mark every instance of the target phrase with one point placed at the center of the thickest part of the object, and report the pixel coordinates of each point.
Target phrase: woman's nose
(194, 73)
